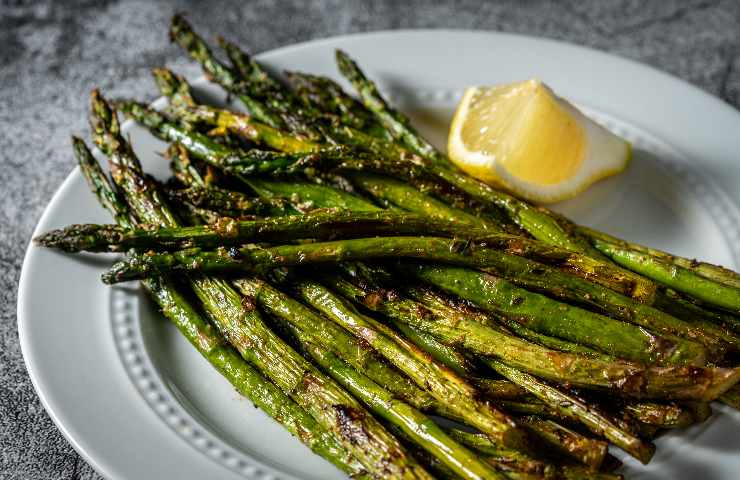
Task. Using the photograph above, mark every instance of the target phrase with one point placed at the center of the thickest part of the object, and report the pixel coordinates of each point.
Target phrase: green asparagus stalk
(536, 219)
(540, 223)
(279, 103)
(392, 305)
(442, 353)
(185, 171)
(182, 33)
(245, 379)
(574, 408)
(542, 314)
(444, 305)
(403, 195)
(523, 272)
(426, 304)
(715, 273)
(680, 306)
(674, 276)
(299, 117)
(453, 392)
(296, 314)
(417, 426)
(185, 108)
(241, 162)
(604, 273)
(320, 224)
(355, 429)
(100, 185)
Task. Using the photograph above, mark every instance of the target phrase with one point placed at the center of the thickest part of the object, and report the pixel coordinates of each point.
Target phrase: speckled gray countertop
(53, 53)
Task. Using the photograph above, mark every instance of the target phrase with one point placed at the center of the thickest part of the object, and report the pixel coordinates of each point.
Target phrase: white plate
(138, 402)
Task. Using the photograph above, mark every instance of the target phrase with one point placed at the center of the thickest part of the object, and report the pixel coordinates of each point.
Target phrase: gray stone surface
(53, 53)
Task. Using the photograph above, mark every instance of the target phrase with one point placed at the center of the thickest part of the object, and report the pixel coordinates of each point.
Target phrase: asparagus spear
(331, 406)
(417, 426)
(245, 379)
(604, 273)
(182, 33)
(242, 163)
(542, 314)
(448, 356)
(280, 305)
(715, 273)
(400, 311)
(332, 337)
(449, 389)
(409, 198)
(522, 272)
(539, 222)
(278, 102)
(185, 171)
(543, 223)
(574, 408)
(500, 297)
(678, 305)
(170, 83)
(674, 276)
(566, 405)
(445, 305)
(320, 224)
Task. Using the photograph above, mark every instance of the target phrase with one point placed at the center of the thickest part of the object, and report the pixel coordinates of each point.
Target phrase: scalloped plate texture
(133, 397)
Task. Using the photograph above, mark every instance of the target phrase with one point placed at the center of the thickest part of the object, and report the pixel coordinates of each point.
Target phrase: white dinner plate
(133, 397)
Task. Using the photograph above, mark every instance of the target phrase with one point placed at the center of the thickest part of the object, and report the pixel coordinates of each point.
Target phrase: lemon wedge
(523, 137)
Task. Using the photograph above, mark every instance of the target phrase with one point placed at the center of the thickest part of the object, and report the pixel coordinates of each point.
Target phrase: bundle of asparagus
(429, 295)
